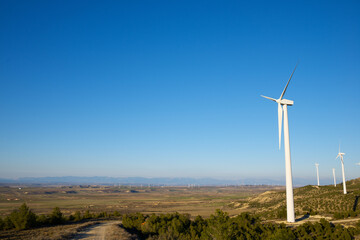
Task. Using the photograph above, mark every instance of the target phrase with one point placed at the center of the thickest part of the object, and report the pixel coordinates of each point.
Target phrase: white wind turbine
(340, 154)
(282, 107)
(334, 177)
(317, 172)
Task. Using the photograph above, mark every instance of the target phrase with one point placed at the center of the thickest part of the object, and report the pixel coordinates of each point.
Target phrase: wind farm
(151, 120)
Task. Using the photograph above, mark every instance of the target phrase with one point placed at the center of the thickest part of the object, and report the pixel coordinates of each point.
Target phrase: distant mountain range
(71, 180)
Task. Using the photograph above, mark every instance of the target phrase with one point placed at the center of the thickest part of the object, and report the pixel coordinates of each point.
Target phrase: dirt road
(97, 232)
(342, 221)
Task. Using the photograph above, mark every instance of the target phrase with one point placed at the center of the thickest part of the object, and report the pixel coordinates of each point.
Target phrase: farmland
(195, 201)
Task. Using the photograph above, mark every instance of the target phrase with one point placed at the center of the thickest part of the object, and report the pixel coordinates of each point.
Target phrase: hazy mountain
(68, 180)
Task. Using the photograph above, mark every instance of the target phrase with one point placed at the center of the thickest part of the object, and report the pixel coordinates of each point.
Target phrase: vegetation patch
(310, 200)
(221, 226)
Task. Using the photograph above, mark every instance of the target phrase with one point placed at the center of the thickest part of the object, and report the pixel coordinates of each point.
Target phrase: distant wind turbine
(282, 107)
(317, 172)
(334, 177)
(340, 154)
(357, 163)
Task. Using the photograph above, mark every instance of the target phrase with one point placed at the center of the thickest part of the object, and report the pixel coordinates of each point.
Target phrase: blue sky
(172, 88)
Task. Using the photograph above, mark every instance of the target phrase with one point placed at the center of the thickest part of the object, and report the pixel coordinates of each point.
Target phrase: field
(266, 205)
(267, 201)
(195, 201)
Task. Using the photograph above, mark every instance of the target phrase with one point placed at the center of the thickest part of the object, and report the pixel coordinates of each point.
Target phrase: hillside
(324, 200)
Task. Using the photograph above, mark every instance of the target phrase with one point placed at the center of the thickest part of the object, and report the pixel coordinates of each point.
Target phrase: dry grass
(116, 232)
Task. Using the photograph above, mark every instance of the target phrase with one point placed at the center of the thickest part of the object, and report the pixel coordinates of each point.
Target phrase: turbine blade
(282, 94)
(273, 99)
(280, 111)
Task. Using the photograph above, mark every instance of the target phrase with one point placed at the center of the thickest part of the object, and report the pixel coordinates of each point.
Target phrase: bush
(134, 221)
(56, 217)
(23, 218)
(117, 214)
(7, 223)
(102, 215)
(77, 216)
(87, 215)
(313, 212)
(283, 234)
(42, 219)
(281, 213)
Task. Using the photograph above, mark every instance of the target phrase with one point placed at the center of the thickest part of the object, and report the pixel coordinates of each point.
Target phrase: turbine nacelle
(285, 102)
(340, 155)
(281, 101)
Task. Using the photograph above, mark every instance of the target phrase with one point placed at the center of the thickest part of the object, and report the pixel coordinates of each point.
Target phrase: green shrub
(87, 215)
(77, 216)
(7, 223)
(56, 217)
(133, 221)
(281, 213)
(23, 218)
(283, 234)
(117, 214)
(42, 219)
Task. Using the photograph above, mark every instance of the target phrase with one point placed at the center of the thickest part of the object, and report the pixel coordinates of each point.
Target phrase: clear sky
(172, 88)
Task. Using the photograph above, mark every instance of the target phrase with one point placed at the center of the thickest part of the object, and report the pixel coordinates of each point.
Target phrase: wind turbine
(282, 107)
(334, 177)
(340, 154)
(317, 172)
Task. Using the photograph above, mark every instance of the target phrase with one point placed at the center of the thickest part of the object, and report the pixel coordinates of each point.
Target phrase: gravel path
(96, 232)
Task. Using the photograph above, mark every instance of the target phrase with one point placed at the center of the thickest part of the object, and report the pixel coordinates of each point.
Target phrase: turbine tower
(282, 107)
(317, 172)
(334, 177)
(340, 154)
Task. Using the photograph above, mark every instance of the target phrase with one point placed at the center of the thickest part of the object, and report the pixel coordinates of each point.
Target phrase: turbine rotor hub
(285, 102)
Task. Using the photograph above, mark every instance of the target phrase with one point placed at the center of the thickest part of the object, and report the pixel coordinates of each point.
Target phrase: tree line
(24, 218)
(221, 226)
